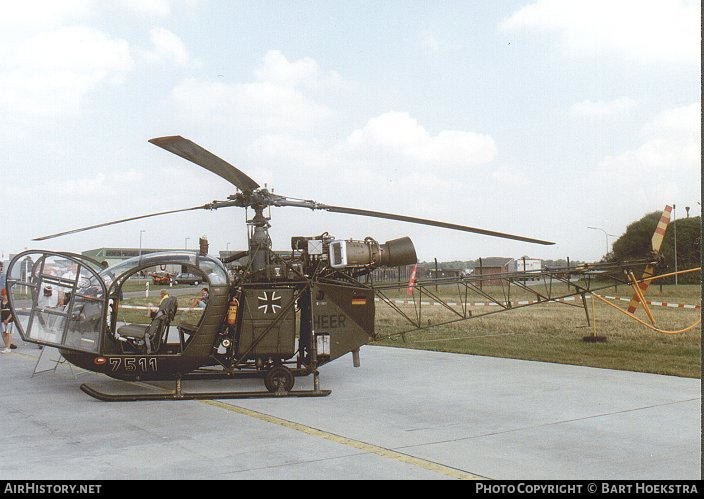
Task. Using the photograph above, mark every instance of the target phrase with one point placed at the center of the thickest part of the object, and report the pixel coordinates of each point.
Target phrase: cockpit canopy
(61, 299)
(210, 267)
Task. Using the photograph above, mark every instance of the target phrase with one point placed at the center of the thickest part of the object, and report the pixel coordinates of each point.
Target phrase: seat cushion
(133, 330)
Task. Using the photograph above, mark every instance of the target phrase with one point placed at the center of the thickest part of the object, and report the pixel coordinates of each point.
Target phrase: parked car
(160, 277)
(184, 278)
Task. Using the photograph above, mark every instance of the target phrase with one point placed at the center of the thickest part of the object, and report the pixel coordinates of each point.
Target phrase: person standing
(6, 322)
(3, 277)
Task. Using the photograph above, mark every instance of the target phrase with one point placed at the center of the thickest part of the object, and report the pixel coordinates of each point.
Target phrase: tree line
(636, 243)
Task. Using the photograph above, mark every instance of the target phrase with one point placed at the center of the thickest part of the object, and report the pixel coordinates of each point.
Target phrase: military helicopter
(279, 317)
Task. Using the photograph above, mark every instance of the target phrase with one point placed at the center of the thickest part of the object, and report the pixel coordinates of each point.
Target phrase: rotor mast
(259, 241)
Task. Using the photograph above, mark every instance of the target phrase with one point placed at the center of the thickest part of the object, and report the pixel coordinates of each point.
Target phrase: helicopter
(277, 317)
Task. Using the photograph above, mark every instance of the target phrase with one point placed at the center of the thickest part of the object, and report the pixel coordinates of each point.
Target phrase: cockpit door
(57, 299)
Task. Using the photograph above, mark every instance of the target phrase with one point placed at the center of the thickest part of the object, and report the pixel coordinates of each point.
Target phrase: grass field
(139, 285)
(140, 316)
(553, 332)
(549, 332)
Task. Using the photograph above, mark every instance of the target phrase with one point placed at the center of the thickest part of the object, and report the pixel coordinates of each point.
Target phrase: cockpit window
(157, 309)
(211, 267)
(57, 299)
(60, 299)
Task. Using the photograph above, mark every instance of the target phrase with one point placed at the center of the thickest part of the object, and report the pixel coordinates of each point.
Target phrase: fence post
(436, 275)
(481, 273)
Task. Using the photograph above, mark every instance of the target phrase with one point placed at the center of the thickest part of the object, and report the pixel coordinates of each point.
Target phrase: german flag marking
(359, 301)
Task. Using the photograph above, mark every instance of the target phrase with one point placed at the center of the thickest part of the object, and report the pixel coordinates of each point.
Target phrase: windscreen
(56, 300)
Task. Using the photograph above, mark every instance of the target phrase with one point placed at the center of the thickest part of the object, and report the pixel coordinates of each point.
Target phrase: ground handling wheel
(279, 379)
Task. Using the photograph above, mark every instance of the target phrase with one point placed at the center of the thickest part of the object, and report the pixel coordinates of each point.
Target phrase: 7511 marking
(131, 364)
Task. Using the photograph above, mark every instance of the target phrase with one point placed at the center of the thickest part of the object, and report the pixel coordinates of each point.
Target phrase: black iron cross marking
(269, 302)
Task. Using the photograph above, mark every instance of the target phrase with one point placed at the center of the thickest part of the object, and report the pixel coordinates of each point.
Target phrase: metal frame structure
(579, 281)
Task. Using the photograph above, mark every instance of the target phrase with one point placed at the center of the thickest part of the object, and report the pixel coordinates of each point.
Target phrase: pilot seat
(150, 336)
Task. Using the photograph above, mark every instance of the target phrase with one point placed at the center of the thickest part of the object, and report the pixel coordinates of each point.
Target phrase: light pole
(227, 249)
(186, 243)
(140, 242)
(606, 235)
(674, 228)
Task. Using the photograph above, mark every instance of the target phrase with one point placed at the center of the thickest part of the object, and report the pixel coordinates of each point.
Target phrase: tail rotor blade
(661, 228)
(649, 270)
(196, 154)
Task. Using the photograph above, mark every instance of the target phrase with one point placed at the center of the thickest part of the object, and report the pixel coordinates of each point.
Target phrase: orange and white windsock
(411, 281)
(656, 242)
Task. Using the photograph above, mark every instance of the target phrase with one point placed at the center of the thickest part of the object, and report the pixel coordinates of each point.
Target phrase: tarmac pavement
(404, 414)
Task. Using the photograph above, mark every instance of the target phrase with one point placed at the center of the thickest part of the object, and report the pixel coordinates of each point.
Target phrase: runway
(404, 414)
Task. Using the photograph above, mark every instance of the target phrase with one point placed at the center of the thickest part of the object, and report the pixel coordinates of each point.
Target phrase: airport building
(117, 255)
(525, 265)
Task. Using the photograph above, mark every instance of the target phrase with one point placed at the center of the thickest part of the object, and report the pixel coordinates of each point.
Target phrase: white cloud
(430, 42)
(391, 164)
(640, 30)
(156, 8)
(278, 100)
(160, 8)
(398, 134)
(43, 14)
(510, 177)
(38, 14)
(258, 105)
(664, 168)
(656, 158)
(50, 72)
(393, 159)
(102, 186)
(672, 147)
(276, 68)
(290, 152)
(167, 46)
(680, 123)
(50, 63)
(601, 108)
(109, 189)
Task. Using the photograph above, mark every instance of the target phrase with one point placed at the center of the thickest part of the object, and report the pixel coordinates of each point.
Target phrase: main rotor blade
(424, 221)
(204, 207)
(193, 152)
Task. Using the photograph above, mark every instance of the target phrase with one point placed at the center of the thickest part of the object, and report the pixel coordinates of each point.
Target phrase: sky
(537, 118)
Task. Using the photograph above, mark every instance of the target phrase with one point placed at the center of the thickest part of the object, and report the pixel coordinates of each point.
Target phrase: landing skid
(176, 395)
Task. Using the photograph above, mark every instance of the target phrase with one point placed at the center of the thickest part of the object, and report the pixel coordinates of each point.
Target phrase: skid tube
(177, 394)
(107, 397)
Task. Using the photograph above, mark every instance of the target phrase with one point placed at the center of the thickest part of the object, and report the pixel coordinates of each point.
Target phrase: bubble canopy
(211, 267)
(61, 299)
